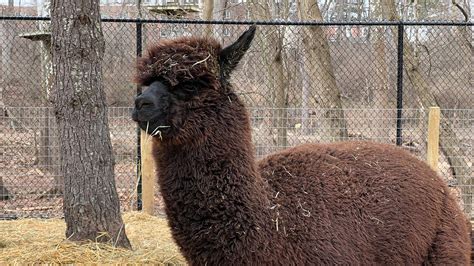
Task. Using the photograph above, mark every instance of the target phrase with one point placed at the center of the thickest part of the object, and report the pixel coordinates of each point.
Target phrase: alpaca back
(358, 202)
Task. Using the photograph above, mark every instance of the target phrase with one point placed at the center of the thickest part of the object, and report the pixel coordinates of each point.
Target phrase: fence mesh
(302, 83)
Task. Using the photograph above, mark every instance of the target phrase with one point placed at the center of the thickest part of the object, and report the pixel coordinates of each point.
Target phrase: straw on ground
(43, 241)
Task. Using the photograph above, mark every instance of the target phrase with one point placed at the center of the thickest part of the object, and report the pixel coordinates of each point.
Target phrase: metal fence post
(139, 90)
(400, 82)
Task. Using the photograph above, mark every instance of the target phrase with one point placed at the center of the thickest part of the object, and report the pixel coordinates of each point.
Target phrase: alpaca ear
(230, 56)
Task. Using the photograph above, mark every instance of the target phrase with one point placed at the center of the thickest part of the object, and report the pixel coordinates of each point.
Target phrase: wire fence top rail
(265, 23)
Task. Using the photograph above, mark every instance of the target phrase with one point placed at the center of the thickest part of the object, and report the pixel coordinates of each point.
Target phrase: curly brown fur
(179, 60)
(351, 203)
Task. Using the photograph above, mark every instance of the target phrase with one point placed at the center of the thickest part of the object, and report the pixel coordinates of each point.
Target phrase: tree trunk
(280, 86)
(139, 9)
(4, 194)
(91, 204)
(5, 72)
(6, 46)
(5, 67)
(207, 12)
(47, 154)
(220, 9)
(305, 95)
(321, 73)
(380, 98)
(450, 144)
(380, 95)
(274, 71)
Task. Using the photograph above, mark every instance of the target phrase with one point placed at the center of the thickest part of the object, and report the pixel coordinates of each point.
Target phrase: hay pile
(43, 241)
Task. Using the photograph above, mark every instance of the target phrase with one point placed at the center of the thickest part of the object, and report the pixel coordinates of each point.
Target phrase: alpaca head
(184, 79)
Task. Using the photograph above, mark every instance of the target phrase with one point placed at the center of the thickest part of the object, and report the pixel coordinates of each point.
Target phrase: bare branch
(466, 16)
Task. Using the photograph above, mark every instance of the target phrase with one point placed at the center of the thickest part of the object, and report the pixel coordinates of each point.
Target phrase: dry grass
(42, 241)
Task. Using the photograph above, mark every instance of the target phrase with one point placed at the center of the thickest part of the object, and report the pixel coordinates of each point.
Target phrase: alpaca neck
(214, 187)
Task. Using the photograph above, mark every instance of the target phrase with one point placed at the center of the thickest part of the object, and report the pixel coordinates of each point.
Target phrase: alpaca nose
(142, 102)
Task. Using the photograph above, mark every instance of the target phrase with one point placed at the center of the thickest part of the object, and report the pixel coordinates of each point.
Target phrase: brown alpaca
(345, 203)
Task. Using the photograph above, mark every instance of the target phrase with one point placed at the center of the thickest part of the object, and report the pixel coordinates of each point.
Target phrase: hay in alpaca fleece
(43, 241)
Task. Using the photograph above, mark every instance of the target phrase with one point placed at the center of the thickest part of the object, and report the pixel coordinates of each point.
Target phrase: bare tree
(91, 203)
(450, 144)
(207, 14)
(465, 32)
(47, 140)
(274, 71)
(6, 64)
(6, 52)
(381, 93)
(221, 9)
(139, 8)
(4, 74)
(320, 76)
(11, 4)
(4, 194)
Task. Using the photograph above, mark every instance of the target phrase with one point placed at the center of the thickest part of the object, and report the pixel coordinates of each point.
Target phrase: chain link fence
(302, 82)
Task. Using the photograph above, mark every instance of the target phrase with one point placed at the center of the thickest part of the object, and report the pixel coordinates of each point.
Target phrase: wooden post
(148, 173)
(433, 137)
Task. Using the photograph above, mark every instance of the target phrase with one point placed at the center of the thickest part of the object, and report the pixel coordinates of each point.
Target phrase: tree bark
(5, 66)
(7, 61)
(220, 9)
(450, 144)
(275, 72)
(380, 95)
(305, 94)
(47, 154)
(207, 12)
(5, 72)
(280, 95)
(4, 194)
(321, 73)
(139, 8)
(91, 204)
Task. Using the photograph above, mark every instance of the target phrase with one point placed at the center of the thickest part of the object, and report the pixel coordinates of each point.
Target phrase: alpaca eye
(184, 91)
(189, 89)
